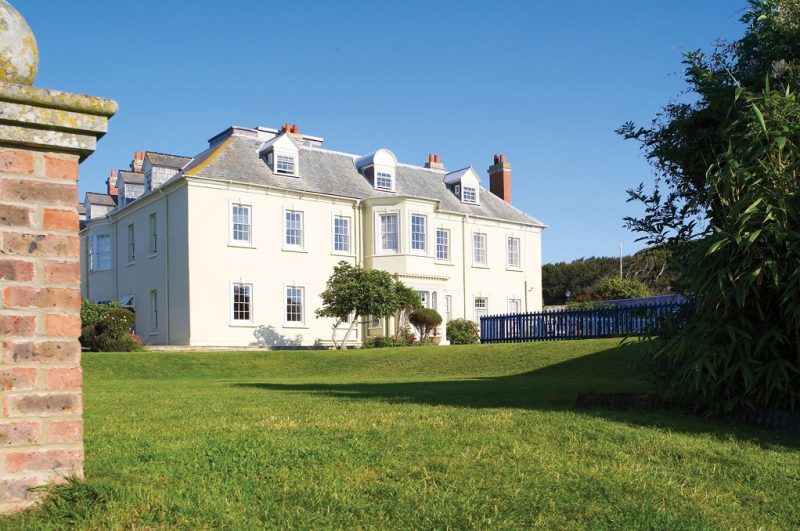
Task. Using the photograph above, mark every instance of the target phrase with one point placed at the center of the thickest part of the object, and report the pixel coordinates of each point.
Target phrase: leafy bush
(108, 328)
(462, 332)
(425, 320)
(385, 341)
(621, 288)
(588, 305)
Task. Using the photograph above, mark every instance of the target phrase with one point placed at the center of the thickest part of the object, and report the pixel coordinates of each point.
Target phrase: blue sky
(545, 83)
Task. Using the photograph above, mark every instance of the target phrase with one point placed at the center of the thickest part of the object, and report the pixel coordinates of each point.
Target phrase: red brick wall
(41, 428)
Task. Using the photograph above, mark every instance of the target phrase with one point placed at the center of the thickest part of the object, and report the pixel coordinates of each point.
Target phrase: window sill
(343, 253)
(247, 324)
(293, 250)
(443, 262)
(131, 263)
(242, 245)
(301, 326)
(152, 256)
(153, 333)
(517, 269)
(480, 266)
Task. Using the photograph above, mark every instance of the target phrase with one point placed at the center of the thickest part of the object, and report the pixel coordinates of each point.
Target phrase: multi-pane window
(383, 180)
(131, 243)
(100, 252)
(293, 228)
(469, 195)
(154, 311)
(284, 164)
(443, 245)
(241, 227)
(418, 233)
(389, 238)
(374, 321)
(479, 248)
(423, 297)
(514, 306)
(153, 233)
(513, 252)
(294, 304)
(341, 234)
(242, 310)
(448, 307)
(481, 308)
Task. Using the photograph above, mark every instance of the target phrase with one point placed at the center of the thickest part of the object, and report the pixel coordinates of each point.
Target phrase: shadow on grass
(550, 388)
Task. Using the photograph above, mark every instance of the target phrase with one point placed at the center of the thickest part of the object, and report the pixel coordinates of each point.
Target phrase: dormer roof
(165, 160)
(458, 175)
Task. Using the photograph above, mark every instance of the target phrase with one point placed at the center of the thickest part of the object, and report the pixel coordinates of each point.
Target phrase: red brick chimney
(111, 184)
(500, 178)
(138, 160)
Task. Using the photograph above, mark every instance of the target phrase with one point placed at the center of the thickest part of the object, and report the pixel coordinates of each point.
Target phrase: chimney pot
(430, 157)
(500, 178)
(502, 158)
(436, 159)
(295, 129)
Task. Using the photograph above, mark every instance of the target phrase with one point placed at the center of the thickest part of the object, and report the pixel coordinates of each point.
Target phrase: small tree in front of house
(353, 292)
(408, 300)
(425, 320)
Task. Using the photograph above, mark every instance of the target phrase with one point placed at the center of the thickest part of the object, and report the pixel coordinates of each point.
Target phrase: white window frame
(232, 224)
(411, 234)
(387, 175)
(425, 298)
(480, 312)
(514, 305)
(286, 322)
(464, 199)
(292, 246)
(153, 312)
(131, 244)
(349, 250)
(475, 261)
(232, 291)
(448, 308)
(379, 232)
(100, 260)
(292, 160)
(153, 234)
(447, 259)
(509, 264)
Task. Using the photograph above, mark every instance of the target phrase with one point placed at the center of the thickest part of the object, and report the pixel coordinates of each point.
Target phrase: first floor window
(240, 223)
(341, 234)
(153, 234)
(294, 304)
(294, 228)
(242, 303)
(285, 164)
(418, 233)
(389, 232)
(443, 245)
(383, 181)
(100, 252)
(481, 308)
(154, 311)
(479, 248)
(131, 244)
(512, 248)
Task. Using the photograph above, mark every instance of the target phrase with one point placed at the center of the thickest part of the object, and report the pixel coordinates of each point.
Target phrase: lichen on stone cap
(19, 55)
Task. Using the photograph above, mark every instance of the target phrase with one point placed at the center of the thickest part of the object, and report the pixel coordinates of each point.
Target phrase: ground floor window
(153, 311)
(242, 311)
(294, 304)
(448, 307)
(514, 306)
(481, 308)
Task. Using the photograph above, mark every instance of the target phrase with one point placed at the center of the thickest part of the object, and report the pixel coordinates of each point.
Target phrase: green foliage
(386, 341)
(462, 332)
(111, 332)
(742, 348)
(353, 290)
(425, 320)
(653, 267)
(612, 288)
(92, 313)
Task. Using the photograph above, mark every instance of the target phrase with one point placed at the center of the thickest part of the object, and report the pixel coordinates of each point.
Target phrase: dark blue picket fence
(576, 324)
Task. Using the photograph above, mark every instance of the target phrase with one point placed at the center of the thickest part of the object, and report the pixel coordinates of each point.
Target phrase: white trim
(241, 322)
(232, 242)
(284, 302)
(475, 263)
(378, 234)
(517, 267)
(349, 218)
(293, 247)
(424, 250)
(449, 259)
(153, 302)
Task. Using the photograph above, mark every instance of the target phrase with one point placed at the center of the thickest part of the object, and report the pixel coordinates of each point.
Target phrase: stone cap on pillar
(53, 120)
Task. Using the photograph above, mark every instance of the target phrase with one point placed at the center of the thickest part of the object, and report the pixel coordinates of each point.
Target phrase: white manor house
(233, 247)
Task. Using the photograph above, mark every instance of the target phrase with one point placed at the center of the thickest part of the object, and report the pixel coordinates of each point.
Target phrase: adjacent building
(232, 247)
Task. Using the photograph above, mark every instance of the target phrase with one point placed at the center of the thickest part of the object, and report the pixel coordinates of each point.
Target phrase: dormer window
(285, 164)
(469, 195)
(384, 181)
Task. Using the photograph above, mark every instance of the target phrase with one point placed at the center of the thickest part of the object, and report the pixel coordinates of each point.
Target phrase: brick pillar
(44, 134)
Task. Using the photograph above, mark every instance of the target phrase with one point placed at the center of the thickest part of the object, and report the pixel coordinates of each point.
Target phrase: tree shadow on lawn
(550, 388)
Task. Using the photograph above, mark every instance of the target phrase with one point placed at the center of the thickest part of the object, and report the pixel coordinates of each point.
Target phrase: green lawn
(456, 437)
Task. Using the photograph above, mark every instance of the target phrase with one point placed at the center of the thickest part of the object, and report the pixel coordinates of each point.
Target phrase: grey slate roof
(331, 173)
(131, 177)
(81, 209)
(166, 160)
(101, 199)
